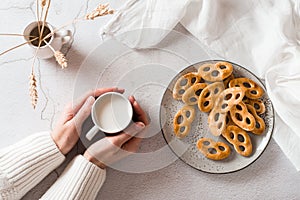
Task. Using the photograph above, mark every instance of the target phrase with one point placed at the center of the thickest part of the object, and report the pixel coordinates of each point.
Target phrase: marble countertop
(272, 176)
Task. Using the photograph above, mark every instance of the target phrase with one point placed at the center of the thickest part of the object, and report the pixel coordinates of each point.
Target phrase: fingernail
(139, 126)
(90, 100)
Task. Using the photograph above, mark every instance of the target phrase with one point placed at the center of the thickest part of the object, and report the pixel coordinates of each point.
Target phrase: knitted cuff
(26, 163)
(80, 180)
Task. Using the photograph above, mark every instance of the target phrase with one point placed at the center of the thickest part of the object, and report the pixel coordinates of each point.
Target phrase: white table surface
(272, 176)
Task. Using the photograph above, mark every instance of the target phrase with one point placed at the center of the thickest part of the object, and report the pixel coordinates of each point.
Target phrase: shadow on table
(179, 179)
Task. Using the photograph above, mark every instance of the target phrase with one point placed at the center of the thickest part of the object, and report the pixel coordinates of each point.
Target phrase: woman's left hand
(67, 131)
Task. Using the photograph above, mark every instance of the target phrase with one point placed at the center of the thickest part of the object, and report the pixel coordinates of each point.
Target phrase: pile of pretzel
(233, 104)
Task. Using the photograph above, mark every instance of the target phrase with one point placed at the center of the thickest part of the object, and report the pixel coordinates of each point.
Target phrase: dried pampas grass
(32, 90)
(101, 10)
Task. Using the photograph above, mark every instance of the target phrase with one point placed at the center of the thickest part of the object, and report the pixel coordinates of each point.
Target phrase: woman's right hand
(113, 148)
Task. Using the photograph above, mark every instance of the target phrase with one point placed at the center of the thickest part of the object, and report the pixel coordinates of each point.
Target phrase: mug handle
(92, 132)
(65, 35)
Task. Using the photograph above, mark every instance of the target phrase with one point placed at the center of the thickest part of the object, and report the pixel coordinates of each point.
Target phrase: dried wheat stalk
(44, 20)
(95, 13)
(16, 34)
(43, 3)
(61, 59)
(32, 80)
(32, 90)
(101, 10)
(15, 47)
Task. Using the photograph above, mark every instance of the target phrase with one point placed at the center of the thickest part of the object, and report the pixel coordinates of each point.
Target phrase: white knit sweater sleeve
(80, 180)
(26, 163)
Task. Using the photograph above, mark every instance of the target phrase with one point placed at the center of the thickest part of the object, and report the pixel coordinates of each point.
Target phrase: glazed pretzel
(229, 120)
(239, 139)
(215, 72)
(182, 121)
(241, 117)
(213, 150)
(260, 125)
(225, 101)
(208, 96)
(253, 90)
(184, 82)
(228, 98)
(258, 105)
(191, 95)
(227, 80)
(216, 122)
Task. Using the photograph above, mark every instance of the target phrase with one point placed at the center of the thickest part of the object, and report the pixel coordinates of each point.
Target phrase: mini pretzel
(182, 121)
(215, 72)
(241, 117)
(184, 82)
(258, 105)
(213, 150)
(239, 139)
(227, 80)
(228, 98)
(216, 122)
(191, 95)
(229, 120)
(259, 122)
(208, 96)
(253, 90)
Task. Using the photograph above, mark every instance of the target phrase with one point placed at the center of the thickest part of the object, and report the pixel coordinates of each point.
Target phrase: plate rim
(272, 128)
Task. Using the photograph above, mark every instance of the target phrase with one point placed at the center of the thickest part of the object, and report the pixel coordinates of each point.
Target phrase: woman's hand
(67, 131)
(113, 148)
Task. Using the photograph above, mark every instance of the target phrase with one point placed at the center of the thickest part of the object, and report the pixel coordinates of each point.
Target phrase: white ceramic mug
(111, 113)
(57, 40)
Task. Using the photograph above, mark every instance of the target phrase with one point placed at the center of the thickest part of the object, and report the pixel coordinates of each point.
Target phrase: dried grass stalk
(101, 10)
(61, 59)
(32, 90)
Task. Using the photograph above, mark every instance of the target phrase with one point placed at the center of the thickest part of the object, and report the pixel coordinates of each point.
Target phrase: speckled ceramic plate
(186, 148)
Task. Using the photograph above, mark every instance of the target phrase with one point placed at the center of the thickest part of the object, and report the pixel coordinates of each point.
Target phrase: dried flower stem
(8, 50)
